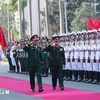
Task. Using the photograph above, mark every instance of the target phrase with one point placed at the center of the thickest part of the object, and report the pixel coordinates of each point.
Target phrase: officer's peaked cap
(55, 36)
(34, 36)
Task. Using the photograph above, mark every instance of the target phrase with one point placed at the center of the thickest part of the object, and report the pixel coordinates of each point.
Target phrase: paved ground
(18, 96)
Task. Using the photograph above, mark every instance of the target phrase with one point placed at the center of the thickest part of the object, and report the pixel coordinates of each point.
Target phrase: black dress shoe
(98, 83)
(45, 75)
(32, 90)
(94, 82)
(54, 88)
(40, 90)
(62, 88)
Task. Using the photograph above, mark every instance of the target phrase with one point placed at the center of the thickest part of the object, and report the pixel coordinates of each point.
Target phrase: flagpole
(8, 21)
(20, 22)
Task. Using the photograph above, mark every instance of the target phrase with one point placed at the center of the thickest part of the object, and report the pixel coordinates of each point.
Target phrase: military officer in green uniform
(57, 62)
(34, 62)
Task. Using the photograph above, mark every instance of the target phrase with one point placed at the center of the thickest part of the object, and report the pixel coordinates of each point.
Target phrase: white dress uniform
(72, 55)
(93, 57)
(81, 50)
(89, 64)
(76, 55)
(67, 55)
(91, 54)
(12, 56)
(98, 54)
(1, 55)
(86, 53)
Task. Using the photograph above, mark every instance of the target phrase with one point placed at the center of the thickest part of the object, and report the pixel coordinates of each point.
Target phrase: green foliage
(4, 18)
(53, 14)
(5, 60)
(25, 36)
(71, 6)
(81, 16)
(24, 4)
(13, 5)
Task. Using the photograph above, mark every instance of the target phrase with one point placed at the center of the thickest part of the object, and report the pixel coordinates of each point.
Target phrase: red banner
(93, 23)
(90, 24)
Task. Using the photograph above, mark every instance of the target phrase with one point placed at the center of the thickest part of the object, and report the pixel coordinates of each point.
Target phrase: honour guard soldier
(90, 61)
(72, 46)
(76, 56)
(85, 58)
(8, 56)
(21, 56)
(45, 58)
(15, 51)
(57, 62)
(67, 56)
(34, 62)
(98, 56)
(68, 64)
(81, 50)
(12, 56)
(93, 56)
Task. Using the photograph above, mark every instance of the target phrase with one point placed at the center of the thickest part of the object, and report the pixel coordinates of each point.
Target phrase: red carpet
(23, 86)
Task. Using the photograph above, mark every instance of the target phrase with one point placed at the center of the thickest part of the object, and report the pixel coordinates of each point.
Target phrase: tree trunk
(23, 25)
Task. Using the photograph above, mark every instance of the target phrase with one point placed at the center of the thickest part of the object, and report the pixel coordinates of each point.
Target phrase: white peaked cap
(61, 35)
(84, 31)
(89, 31)
(94, 30)
(99, 30)
(55, 35)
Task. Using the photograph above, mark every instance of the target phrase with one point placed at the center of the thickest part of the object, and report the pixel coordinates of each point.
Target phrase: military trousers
(32, 71)
(57, 72)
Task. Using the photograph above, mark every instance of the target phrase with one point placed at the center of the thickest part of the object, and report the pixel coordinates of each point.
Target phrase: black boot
(90, 80)
(66, 75)
(95, 78)
(98, 78)
(85, 79)
(73, 78)
(81, 74)
(75, 73)
(69, 72)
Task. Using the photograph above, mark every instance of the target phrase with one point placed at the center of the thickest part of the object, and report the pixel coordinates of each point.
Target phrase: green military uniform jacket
(57, 55)
(34, 55)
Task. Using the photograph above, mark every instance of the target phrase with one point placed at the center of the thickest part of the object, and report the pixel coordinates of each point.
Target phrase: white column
(38, 12)
(65, 5)
(61, 17)
(46, 18)
(30, 18)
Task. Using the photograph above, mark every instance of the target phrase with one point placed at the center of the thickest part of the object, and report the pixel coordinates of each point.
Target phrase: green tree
(81, 16)
(53, 14)
(4, 18)
(13, 7)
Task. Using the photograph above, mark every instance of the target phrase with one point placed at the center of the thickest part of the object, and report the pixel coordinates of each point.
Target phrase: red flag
(2, 39)
(90, 24)
(96, 23)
